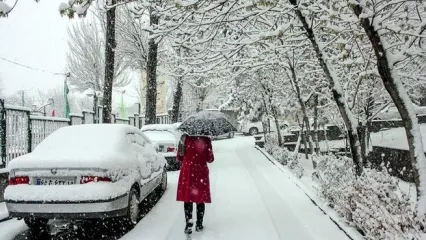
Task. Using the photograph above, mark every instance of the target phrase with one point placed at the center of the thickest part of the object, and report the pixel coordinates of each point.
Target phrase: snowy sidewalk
(252, 199)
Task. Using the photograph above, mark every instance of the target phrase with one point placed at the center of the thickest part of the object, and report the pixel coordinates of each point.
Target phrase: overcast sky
(34, 34)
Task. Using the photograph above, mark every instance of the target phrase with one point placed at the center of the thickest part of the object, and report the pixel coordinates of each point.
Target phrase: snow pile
(282, 155)
(373, 203)
(4, 8)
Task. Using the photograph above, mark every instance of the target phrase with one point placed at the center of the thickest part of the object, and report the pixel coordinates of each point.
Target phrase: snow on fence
(76, 119)
(88, 117)
(17, 124)
(122, 121)
(163, 118)
(21, 132)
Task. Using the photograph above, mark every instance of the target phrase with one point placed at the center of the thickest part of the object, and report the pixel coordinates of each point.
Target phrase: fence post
(137, 122)
(2, 133)
(83, 119)
(100, 114)
(29, 132)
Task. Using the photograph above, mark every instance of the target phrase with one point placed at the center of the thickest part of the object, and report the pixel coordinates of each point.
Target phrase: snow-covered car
(85, 172)
(166, 137)
(254, 128)
(176, 125)
(251, 128)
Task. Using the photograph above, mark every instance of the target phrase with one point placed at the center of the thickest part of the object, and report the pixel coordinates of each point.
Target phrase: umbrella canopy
(211, 123)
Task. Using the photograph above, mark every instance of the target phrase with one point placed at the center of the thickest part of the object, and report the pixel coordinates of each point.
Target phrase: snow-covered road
(251, 199)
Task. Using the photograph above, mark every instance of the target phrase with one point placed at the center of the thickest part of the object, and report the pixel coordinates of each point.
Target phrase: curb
(350, 232)
(5, 219)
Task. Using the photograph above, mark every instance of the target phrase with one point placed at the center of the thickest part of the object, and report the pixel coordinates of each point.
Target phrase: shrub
(284, 156)
(373, 202)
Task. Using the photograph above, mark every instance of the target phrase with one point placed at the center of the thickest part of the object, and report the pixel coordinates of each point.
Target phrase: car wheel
(132, 216)
(36, 224)
(253, 131)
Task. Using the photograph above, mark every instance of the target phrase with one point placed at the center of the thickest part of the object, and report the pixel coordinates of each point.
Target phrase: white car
(254, 128)
(85, 172)
(166, 137)
(251, 128)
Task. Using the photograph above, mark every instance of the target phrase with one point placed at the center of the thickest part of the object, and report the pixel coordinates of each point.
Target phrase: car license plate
(55, 181)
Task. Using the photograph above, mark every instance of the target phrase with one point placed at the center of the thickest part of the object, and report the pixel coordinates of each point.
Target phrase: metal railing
(21, 132)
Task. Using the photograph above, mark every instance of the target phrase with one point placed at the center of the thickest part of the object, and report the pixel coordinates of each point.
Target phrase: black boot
(199, 226)
(188, 227)
(200, 216)
(188, 218)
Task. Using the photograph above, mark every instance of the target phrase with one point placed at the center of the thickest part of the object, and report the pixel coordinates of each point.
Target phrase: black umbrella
(212, 123)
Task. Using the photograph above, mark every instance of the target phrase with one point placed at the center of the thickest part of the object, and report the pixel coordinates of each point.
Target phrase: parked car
(166, 137)
(254, 128)
(85, 172)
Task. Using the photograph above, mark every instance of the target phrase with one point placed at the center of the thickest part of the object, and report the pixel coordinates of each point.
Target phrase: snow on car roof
(91, 145)
(158, 127)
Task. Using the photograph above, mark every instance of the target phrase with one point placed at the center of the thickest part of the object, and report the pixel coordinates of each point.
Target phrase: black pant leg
(188, 207)
(201, 208)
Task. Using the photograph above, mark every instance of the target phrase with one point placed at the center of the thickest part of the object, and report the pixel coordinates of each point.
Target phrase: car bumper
(69, 210)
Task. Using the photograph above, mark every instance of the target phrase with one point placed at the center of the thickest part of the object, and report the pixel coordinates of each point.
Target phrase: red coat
(194, 184)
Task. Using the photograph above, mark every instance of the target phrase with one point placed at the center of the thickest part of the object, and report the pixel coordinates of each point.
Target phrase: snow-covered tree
(86, 57)
(396, 31)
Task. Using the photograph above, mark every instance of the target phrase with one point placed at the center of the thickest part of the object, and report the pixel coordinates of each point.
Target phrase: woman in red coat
(194, 186)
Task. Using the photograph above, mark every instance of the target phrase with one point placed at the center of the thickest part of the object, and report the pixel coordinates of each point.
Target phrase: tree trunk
(299, 140)
(336, 89)
(303, 108)
(277, 125)
(325, 139)
(402, 102)
(316, 124)
(176, 101)
(151, 85)
(110, 45)
(362, 137)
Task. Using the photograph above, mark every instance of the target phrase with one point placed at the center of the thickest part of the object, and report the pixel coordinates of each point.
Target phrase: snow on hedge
(374, 203)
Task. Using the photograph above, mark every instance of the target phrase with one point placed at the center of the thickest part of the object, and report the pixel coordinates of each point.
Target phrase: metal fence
(21, 132)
